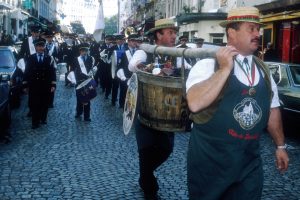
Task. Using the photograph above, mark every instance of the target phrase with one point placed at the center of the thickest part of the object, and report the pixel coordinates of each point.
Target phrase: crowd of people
(232, 100)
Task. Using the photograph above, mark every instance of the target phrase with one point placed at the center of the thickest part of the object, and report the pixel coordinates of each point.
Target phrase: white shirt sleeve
(201, 71)
(138, 57)
(275, 100)
(179, 62)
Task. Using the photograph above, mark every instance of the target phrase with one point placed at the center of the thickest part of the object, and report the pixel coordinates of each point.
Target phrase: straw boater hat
(242, 14)
(162, 24)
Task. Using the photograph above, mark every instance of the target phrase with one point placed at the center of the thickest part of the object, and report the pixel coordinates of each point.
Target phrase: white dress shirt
(141, 57)
(205, 68)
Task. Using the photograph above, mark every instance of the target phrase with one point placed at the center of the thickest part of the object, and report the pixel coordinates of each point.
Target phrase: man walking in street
(123, 72)
(39, 82)
(83, 67)
(119, 50)
(28, 49)
(154, 147)
(52, 50)
(232, 100)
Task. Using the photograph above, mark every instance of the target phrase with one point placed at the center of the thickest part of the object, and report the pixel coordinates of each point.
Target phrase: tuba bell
(129, 30)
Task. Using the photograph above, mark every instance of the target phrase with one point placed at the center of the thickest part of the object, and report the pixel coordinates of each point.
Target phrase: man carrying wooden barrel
(154, 146)
(233, 100)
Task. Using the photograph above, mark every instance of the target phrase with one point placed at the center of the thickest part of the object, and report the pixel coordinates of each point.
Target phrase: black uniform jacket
(79, 76)
(124, 64)
(39, 76)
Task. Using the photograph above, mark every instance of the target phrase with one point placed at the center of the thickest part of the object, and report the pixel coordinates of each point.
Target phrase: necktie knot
(246, 61)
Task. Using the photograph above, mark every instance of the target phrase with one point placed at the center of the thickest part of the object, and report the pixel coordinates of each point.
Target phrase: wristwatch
(282, 146)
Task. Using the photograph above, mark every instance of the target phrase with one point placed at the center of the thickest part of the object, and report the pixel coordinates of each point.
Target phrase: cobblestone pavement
(73, 159)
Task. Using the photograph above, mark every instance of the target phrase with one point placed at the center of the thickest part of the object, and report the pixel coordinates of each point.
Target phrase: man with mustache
(233, 99)
(154, 147)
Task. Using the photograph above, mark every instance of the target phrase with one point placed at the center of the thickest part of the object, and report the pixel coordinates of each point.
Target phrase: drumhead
(130, 104)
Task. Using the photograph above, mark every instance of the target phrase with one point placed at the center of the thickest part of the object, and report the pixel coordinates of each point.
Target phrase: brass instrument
(129, 30)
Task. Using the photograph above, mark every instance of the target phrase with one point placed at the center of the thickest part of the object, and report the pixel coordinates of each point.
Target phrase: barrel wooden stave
(161, 103)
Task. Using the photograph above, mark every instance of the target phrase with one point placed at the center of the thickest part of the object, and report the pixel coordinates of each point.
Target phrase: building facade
(16, 16)
(83, 11)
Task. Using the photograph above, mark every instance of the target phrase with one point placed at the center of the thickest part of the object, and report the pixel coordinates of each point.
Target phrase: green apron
(224, 157)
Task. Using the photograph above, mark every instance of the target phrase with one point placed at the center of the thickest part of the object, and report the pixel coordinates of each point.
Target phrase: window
(295, 71)
(216, 38)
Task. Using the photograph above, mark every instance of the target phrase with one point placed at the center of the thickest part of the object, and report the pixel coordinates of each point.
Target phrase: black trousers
(123, 90)
(115, 89)
(39, 102)
(107, 79)
(51, 99)
(83, 108)
(154, 148)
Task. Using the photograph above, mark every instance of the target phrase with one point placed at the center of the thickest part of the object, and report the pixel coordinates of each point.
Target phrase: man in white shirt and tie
(233, 99)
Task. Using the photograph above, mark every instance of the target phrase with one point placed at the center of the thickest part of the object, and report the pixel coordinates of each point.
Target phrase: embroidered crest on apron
(247, 113)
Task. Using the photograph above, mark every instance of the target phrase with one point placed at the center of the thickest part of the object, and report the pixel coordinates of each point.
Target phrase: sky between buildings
(110, 7)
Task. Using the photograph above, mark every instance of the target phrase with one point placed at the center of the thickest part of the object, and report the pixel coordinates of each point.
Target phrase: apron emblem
(247, 113)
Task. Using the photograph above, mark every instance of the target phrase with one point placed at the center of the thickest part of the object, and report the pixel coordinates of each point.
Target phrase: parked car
(287, 78)
(8, 66)
(206, 45)
(5, 114)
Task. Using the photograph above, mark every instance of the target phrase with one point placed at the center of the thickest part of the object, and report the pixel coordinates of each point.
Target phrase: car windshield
(6, 59)
(295, 70)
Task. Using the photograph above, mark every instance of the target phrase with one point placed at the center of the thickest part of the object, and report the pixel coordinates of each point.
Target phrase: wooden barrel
(161, 105)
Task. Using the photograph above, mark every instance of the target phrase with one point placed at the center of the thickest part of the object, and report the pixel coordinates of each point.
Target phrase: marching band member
(83, 69)
(52, 50)
(27, 49)
(123, 72)
(39, 82)
(105, 65)
(120, 48)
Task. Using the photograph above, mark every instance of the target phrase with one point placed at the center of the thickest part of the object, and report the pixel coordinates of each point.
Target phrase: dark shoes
(35, 126)
(77, 116)
(29, 114)
(88, 120)
(151, 196)
(150, 193)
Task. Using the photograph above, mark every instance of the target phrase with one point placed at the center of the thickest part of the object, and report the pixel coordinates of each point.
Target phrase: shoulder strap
(261, 65)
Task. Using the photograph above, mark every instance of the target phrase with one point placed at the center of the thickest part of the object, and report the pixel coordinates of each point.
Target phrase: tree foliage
(77, 27)
(111, 25)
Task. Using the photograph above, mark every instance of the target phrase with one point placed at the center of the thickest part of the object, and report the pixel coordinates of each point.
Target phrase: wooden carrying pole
(179, 52)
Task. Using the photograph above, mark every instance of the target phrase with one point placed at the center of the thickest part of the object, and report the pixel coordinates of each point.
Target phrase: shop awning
(278, 6)
(5, 6)
(33, 20)
(19, 14)
(286, 15)
(196, 17)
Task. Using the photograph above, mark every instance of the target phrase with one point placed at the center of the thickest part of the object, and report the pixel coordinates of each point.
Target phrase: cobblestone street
(73, 159)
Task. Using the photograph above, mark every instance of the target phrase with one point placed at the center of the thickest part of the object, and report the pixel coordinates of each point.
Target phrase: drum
(62, 68)
(162, 105)
(86, 90)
